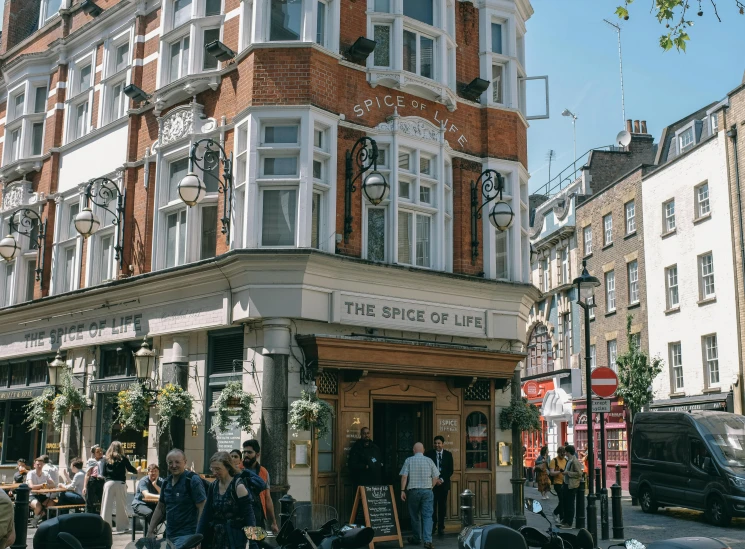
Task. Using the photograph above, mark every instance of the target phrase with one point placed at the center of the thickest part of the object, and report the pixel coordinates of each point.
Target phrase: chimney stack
(628, 125)
(644, 126)
(636, 127)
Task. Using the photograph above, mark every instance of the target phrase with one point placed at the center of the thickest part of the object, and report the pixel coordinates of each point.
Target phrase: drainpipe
(732, 134)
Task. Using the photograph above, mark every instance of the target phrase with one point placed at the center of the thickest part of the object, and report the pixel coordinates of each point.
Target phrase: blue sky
(568, 41)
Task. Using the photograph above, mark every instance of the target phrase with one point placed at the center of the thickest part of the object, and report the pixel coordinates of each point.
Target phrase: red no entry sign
(604, 382)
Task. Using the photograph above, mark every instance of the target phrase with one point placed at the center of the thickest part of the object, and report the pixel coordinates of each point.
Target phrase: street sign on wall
(604, 382)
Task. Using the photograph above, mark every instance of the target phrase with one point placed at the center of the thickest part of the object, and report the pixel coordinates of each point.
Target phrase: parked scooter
(675, 543)
(329, 536)
(553, 539)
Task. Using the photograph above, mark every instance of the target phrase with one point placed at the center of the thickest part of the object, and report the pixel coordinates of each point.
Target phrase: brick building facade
(271, 280)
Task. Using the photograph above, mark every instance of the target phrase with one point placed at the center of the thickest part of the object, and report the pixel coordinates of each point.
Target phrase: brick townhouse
(279, 273)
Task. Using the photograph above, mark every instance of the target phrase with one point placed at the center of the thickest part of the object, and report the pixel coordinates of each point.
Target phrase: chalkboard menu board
(229, 440)
(379, 507)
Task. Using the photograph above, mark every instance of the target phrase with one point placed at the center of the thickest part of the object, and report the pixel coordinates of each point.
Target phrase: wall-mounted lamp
(91, 8)
(219, 51)
(27, 222)
(500, 216)
(56, 369)
(192, 189)
(102, 192)
(375, 188)
(194, 430)
(475, 88)
(136, 94)
(361, 49)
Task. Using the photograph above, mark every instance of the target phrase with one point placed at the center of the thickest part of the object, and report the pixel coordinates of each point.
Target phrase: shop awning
(717, 401)
(407, 356)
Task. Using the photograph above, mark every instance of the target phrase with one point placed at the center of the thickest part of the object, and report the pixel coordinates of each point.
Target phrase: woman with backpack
(229, 507)
(115, 466)
(541, 473)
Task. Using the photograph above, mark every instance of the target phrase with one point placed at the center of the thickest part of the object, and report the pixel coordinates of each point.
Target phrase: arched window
(477, 441)
(540, 352)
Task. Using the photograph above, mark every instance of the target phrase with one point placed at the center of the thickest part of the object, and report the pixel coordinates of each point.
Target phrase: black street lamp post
(586, 285)
(27, 222)
(364, 153)
(102, 192)
(501, 215)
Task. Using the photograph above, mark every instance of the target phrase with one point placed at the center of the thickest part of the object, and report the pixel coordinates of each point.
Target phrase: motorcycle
(553, 539)
(675, 543)
(330, 534)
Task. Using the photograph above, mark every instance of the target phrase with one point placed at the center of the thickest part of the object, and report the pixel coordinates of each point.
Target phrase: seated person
(37, 479)
(147, 486)
(74, 497)
(19, 476)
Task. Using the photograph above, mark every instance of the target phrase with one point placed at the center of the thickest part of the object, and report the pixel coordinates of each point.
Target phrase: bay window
(178, 59)
(419, 54)
(321, 23)
(278, 217)
(26, 115)
(48, 9)
(285, 19)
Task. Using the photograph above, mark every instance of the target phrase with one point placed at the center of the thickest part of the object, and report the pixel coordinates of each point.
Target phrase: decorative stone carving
(17, 193)
(176, 125)
(412, 126)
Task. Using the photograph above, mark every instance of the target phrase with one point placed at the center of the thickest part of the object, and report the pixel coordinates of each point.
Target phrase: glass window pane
(171, 239)
(122, 57)
(496, 38)
(212, 179)
(181, 12)
(37, 138)
(424, 195)
(383, 6)
(176, 172)
(409, 51)
(317, 169)
(477, 441)
(184, 58)
(497, 72)
(321, 24)
(421, 10)
(81, 122)
(30, 280)
(501, 252)
(376, 234)
(18, 107)
(107, 253)
(213, 7)
(427, 62)
(423, 240)
(182, 237)
(209, 232)
(9, 270)
(404, 189)
(69, 273)
(278, 218)
(403, 160)
(285, 19)
(85, 78)
(315, 223)
(18, 439)
(404, 237)
(382, 52)
(175, 56)
(210, 61)
(73, 210)
(40, 100)
(280, 134)
(285, 165)
(53, 6)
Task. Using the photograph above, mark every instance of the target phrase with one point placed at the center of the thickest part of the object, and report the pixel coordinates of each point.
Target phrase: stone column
(274, 405)
(174, 371)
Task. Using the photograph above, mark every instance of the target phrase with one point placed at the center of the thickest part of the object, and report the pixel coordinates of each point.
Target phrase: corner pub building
(281, 276)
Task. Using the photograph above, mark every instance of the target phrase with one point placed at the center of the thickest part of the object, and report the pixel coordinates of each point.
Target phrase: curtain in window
(278, 219)
(501, 253)
(423, 240)
(404, 237)
(376, 234)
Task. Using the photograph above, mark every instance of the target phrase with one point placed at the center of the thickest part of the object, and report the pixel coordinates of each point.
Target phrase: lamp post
(101, 192)
(27, 222)
(567, 112)
(586, 285)
(500, 216)
(56, 367)
(192, 189)
(364, 153)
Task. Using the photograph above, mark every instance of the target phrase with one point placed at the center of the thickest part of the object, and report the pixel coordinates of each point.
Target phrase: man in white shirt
(38, 479)
(50, 469)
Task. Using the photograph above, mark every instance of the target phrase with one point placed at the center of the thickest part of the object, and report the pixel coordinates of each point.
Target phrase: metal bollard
(21, 515)
(615, 491)
(467, 500)
(597, 481)
(286, 506)
(579, 515)
(604, 525)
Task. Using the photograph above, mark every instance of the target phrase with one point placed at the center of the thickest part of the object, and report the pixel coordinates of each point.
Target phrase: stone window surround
(63, 202)
(110, 77)
(255, 20)
(76, 97)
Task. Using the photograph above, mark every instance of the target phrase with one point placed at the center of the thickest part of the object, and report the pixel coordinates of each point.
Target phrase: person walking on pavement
(115, 466)
(444, 461)
(365, 461)
(264, 507)
(419, 476)
(572, 477)
(541, 473)
(556, 472)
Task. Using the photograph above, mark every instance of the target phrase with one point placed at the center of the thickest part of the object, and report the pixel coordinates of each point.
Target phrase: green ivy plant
(70, 398)
(520, 415)
(134, 408)
(310, 412)
(173, 402)
(234, 407)
(39, 410)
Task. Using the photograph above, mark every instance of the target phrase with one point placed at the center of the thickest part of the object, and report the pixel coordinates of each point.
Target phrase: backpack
(189, 474)
(255, 485)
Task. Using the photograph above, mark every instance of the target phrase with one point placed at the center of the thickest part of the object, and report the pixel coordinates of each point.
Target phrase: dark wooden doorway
(397, 427)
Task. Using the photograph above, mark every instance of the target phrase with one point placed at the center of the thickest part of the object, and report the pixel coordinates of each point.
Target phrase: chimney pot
(628, 125)
(644, 126)
(636, 127)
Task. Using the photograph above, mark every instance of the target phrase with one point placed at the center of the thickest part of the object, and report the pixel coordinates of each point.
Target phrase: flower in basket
(234, 406)
(310, 412)
(520, 415)
(39, 409)
(69, 399)
(134, 408)
(173, 402)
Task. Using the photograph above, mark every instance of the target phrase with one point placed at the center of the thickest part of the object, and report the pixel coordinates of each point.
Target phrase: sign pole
(604, 526)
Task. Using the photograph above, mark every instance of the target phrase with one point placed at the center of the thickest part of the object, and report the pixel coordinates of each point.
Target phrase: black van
(690, 459)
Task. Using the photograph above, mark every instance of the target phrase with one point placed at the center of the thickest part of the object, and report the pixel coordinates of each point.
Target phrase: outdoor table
(150, 498)
(50, 490)
(9, 487)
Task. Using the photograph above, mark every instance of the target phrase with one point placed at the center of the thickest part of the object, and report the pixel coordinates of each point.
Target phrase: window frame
(611, 347)
(710, 358)
(80, 97)
(669, 224)
(587, 242)
(610, 293)
(670, 288)
(706, 279)
(607, 229)
(633, 284)
(23, 122)
(44, 17)
(66, 238)
(630, 206)
(701, 202)
(114, 107)
(676, 368)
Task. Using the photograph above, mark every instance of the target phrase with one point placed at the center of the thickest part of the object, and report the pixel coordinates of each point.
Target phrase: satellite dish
(623, 138)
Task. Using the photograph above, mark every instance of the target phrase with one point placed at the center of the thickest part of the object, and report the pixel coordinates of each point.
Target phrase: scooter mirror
(533, 505)
(634, 544)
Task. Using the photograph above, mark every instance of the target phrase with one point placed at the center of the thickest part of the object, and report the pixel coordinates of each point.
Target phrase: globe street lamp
(586, 285)
(102, 192)
(27, 222)
(501, 214)
(364, 153)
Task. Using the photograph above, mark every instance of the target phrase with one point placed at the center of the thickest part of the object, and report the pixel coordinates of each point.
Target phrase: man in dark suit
(444, 461)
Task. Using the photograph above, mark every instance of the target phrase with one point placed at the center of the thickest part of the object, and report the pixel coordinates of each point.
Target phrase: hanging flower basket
(520, 415)
(234, 406)
(310, 412)
(39, 410)
(69, 399)
(173, 403)
(134, 408)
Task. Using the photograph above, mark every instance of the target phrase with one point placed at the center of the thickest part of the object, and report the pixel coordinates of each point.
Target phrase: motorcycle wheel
(716, 511)
(646, 500)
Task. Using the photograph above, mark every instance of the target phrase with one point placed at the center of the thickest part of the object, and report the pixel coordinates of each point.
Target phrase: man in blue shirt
(180, 504)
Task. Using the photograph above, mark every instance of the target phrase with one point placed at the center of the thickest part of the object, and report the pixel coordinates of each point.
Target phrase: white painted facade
(695, 316)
